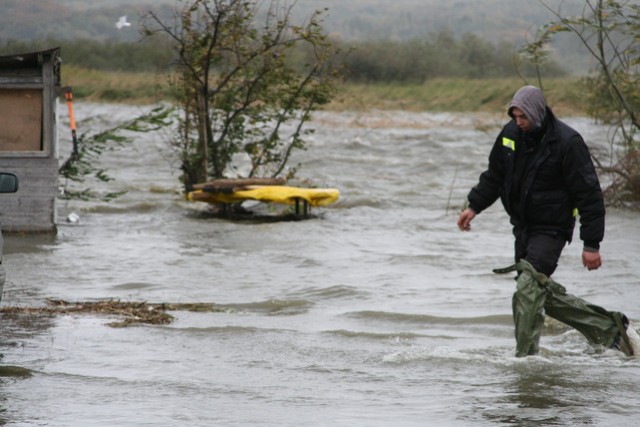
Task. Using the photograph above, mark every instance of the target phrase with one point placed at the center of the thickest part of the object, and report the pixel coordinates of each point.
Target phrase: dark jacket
(558, 178)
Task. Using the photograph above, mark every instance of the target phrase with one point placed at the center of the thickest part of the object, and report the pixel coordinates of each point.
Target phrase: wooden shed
(29, 85)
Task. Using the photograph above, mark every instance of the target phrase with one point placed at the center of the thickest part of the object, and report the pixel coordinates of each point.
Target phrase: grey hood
(530, 100)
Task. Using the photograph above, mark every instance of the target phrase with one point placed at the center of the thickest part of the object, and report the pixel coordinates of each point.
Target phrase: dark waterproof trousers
(536, 295)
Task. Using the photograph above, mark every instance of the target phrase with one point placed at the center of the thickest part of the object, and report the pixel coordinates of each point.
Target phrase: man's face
(521, 120)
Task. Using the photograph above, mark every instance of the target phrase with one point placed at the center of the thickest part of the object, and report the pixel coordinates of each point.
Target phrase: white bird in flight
(122, 22)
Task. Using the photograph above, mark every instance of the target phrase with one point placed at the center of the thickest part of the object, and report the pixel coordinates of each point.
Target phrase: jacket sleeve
(584, 187)
(489, 186)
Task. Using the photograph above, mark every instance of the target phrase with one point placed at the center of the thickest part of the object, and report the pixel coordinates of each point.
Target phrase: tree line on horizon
(441, 54)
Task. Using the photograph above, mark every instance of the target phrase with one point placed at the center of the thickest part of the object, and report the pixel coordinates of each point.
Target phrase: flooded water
(376, 312)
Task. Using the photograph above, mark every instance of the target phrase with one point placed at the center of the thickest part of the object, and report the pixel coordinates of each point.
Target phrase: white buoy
(73, 218)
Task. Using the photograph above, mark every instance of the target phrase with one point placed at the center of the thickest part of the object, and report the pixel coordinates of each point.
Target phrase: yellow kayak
(269, 193)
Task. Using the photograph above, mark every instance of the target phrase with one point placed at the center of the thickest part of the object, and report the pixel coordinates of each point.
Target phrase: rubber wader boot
(598, 325)
(537, 295)
(623, 341)
(528, 313)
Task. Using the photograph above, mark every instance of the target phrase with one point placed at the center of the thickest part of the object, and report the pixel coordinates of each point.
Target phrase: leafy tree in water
(240, 96)
(610, 31)
(82, 164)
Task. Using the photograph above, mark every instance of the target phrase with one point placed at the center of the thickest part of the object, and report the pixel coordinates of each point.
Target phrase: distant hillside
(72, 19)
(497, 20)
(494, 20)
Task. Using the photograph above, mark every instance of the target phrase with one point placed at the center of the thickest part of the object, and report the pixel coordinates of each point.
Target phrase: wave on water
(269, 307)
(228, 329)
(331, 292)
(358, 202)
(133, 286)
(392, 317)
(504, 356)
(14, 371)
(399, 119)
(422, 354)
(396, 336)
(123, 208)
(568, 349)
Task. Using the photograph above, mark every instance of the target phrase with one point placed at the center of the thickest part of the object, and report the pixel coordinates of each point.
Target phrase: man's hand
(464, 220)
(591, 260)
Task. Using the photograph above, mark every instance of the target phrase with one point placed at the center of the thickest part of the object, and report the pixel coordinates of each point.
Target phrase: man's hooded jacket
(543, 177)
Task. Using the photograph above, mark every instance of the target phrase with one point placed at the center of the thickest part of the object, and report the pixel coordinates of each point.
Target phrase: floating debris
(133, 313)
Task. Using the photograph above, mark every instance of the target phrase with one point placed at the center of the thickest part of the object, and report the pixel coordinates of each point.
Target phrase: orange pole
(69, 96)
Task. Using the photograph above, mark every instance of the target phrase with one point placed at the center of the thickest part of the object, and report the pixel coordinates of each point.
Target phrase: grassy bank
(491, 95)
(115, 86)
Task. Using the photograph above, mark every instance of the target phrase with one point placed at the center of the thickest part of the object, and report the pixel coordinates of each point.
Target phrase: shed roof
(31, 61)
(27, 60)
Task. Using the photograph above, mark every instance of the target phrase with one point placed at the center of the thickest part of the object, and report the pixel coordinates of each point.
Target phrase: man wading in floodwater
(541, 170)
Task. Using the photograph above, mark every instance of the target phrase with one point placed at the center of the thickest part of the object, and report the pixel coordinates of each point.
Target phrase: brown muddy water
(376, 312)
